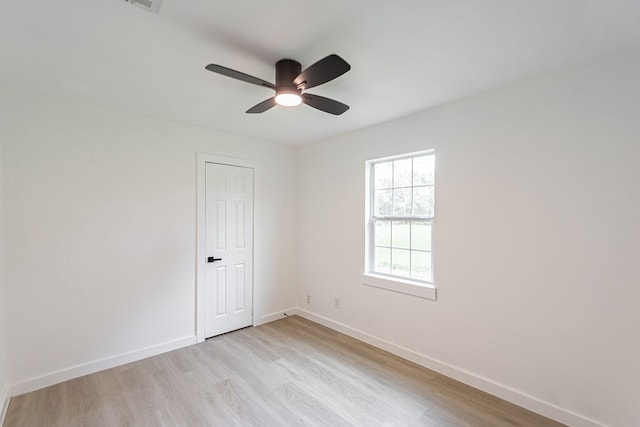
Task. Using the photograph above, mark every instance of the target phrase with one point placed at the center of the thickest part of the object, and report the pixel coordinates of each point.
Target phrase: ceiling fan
(292, 83)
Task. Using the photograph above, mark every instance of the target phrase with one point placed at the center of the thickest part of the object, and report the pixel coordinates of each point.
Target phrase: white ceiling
(406, 55)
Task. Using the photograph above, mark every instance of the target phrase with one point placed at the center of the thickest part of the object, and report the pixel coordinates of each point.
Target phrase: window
(400, 209)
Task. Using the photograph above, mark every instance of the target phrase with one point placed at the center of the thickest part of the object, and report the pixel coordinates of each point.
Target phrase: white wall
(536, 239)
(100, 214)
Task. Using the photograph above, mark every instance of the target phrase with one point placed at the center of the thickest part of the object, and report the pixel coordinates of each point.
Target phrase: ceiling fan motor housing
(286, 71)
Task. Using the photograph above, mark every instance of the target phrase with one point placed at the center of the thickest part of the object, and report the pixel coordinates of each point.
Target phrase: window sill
(420, 290)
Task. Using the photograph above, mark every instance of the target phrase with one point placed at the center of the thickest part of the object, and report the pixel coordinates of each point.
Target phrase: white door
(229, 248)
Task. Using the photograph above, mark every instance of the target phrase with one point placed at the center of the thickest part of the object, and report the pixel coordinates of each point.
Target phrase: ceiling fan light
(288, 99)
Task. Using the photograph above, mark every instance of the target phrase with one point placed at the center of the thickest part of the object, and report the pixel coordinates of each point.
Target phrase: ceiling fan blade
(263, 106)
(239, 76)
(324, 104)
(325, 70)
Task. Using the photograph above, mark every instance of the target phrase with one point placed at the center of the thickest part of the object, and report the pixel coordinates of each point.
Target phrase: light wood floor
(286, 373)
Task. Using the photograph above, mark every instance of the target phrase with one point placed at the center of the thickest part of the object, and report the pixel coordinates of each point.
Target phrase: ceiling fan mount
(292, 83)
(286, 72)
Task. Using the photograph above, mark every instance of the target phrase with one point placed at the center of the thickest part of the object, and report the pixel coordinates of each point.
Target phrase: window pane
(383, 202)
(383, 173)
(421, 265)
(401, 259)
(383, 233)
(401, 233)
(423, 201)
(421, 236)
(402, 201)
(423, 170)
(382, 260)
(402, 173)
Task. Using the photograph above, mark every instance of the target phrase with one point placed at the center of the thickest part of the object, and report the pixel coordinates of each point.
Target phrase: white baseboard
(36, 383)
(4, 401)
(273, 316)
(504, 392)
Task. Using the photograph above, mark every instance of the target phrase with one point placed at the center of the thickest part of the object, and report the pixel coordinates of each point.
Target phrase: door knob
(212, 259)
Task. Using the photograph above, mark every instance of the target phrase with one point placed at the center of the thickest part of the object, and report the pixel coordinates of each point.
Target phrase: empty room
(320, 213)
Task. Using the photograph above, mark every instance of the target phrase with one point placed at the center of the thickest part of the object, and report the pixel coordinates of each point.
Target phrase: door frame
(201, 165)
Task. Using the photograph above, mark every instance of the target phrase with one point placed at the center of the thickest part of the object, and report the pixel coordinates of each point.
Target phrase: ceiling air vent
(150, 5)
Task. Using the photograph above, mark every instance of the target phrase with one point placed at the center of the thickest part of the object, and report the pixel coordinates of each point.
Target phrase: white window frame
(402, 285)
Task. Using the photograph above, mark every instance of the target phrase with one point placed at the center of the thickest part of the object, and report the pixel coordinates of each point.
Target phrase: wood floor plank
(291, 372)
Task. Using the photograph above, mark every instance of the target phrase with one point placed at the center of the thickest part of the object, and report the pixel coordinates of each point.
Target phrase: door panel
(220, 225)
(229, 240)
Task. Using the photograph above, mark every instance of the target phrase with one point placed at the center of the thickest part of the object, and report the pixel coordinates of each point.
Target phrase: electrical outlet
(337, 302)
(308, 299)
